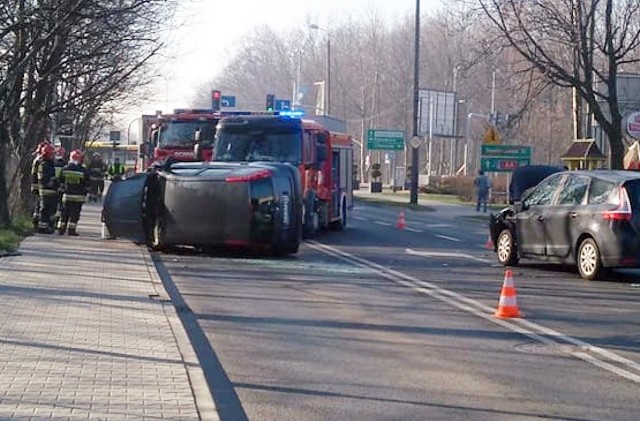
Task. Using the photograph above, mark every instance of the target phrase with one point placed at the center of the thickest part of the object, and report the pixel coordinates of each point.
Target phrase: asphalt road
(377, 323)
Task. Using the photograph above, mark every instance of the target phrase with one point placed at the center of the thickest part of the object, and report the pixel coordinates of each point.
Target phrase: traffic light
(271, 102)
(215, 100)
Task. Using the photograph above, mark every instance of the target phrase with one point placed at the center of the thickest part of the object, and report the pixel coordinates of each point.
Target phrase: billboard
(437, 108)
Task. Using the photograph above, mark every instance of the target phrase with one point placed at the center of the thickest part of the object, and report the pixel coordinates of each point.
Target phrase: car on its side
(208, 205)
(590, 219)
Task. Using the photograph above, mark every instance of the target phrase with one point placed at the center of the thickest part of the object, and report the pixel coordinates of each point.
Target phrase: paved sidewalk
(87, 332)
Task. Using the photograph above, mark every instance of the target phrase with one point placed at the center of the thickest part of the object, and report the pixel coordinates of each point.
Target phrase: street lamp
(327, 94)
(129, 130)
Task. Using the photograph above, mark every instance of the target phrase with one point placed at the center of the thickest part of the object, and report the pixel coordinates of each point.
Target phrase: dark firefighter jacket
(97, 170)
(74, 179)
(47, 181)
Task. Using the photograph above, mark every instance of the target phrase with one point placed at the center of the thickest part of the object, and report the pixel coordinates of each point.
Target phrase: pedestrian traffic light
(215, 100)
(271, 102)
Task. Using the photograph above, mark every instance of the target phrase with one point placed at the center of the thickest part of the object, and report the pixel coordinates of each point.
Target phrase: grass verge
(411, 206)
(11, 236)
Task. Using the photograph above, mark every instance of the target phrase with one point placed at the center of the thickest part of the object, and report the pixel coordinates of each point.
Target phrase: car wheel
(589, 263)
(506, 249)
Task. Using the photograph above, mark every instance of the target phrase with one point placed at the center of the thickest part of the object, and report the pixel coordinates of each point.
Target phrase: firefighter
(97, 171)
(47, 189)
(35, 187)
(116, 170)
(59, 162)
(74, 179)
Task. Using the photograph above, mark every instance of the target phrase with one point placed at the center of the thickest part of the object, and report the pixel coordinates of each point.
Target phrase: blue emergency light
(292, 114)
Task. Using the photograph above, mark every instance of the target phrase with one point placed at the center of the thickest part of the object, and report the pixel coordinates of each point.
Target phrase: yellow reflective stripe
(47, 192)
(78, 198)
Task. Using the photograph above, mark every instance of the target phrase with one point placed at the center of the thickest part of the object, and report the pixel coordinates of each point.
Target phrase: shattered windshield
(269, 144)
(183, 133)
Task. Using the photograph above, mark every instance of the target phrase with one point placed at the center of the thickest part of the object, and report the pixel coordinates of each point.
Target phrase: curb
(201, 393)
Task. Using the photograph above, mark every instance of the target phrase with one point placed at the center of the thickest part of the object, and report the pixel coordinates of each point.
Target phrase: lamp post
(129, 129)
(327, 93)
(415, 157)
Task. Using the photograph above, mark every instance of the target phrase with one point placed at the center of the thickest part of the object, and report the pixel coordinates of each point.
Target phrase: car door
(530, 232)
(562, 217)
(123, 208)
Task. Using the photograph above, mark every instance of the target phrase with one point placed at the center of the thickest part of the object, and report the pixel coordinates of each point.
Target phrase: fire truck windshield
(268, 144)
(182, 134)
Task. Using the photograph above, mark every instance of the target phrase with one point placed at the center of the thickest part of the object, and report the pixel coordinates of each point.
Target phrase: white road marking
(385, 224)
(446, 237)
(438, 225)
(359, 218)
(414, 230)
(446, 254)
(524, 327)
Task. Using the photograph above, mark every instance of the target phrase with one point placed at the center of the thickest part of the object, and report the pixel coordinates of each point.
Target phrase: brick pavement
(87, 332)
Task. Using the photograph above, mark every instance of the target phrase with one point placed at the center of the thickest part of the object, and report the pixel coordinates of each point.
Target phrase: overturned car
(209, 204)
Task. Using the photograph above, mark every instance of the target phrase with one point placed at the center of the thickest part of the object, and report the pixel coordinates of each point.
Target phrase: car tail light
(250, 177)
(623, 211)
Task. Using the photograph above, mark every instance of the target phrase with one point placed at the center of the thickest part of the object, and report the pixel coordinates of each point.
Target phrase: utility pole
(415, 157)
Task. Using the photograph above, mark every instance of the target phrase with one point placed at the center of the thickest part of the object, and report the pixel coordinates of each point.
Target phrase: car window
(601, 191)
(543, 193)
(573, 191)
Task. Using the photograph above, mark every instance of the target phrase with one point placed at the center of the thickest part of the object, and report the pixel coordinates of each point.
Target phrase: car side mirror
(519, 205)
(197, 151)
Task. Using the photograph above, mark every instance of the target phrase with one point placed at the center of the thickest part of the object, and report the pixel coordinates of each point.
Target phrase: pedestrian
(74, 179)
(483, 185)
(116, 170)
(97, 172)
(47, 189)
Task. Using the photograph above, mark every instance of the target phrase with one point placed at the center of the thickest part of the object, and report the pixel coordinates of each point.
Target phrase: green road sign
(494, 164)
(385, 139)
(504, 158)
(508, 151)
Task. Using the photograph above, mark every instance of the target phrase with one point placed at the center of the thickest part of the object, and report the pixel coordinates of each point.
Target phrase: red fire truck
(174, 135)
(324, 160)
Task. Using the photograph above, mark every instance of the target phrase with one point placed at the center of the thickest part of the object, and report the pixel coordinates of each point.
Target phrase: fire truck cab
(323, 158)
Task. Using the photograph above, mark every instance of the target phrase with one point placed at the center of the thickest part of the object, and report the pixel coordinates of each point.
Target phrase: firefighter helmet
(47, 151)
(76, 155)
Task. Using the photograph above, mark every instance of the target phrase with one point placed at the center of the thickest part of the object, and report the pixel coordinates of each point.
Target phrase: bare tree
(72, 58)
(579, 44)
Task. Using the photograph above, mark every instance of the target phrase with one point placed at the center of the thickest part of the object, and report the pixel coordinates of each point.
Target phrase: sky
(205, 30)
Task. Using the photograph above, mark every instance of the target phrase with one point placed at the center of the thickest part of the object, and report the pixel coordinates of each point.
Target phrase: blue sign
(228, 101)
(283, 105)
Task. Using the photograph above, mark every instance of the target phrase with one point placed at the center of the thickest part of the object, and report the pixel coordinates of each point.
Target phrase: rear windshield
(601, 191)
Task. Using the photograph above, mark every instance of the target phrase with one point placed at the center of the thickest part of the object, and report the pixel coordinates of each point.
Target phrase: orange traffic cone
(508, 304)
(401, 224)
(489, 244)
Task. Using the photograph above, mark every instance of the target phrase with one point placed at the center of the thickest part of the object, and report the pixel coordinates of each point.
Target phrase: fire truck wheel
(311, 218)
(342, 222)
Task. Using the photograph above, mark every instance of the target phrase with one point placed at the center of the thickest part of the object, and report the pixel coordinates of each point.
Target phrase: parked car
(211, 204)
(587, 218)
(523, 178)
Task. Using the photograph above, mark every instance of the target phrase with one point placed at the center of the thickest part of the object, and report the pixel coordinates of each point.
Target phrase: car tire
(588, 259)
(506, 248)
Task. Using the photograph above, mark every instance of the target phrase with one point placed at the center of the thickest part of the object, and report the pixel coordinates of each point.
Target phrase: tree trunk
(4, 193)
(616, 144)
